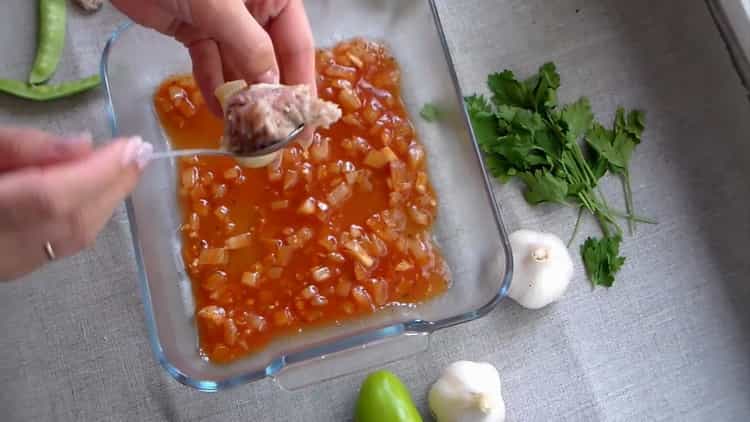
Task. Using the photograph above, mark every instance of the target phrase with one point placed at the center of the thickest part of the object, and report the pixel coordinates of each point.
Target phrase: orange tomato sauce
(323, 234)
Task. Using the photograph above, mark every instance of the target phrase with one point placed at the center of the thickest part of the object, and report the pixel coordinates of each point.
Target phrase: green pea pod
(51, 40)
(48, 92)
(384, 398)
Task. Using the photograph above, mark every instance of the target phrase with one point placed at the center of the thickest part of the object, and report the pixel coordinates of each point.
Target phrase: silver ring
(49, 251)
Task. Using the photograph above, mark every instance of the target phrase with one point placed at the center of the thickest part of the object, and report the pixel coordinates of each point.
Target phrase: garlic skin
(542, 268)
(468, 392)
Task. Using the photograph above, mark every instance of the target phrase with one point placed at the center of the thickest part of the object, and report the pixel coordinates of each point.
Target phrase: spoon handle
(188, 152)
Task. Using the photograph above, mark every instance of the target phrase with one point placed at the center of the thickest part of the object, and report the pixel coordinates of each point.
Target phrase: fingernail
(269, 77)
(143, 154)
(137, 152)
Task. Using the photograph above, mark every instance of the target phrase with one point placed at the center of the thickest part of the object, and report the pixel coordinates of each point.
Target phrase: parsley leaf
(518, 149)
(499, 167)
(430, 112)
(538, 93)
(602, 260)
(615, 148)
(483, 121)
(545, 85)
(506, 90)
(544, 187)
(633, 124)
(516, 118)
(578, 118)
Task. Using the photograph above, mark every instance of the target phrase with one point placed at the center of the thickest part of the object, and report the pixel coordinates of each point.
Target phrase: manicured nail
(143, 154)
(130, 150)
(269, 77)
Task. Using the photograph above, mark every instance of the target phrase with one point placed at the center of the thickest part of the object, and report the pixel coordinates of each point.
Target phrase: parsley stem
(625, 177)
(575, 228)
(634, 217)
(599, 210)
(603, 224)
(607, 212)
(588, 173)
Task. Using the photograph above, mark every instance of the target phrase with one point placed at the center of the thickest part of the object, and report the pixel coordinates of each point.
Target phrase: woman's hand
(255, 40)
(58, 190)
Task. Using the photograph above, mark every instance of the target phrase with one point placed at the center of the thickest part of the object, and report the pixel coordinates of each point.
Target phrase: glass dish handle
(356, 359)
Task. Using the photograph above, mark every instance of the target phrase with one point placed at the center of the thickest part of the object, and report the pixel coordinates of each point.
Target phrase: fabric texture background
(671, 340)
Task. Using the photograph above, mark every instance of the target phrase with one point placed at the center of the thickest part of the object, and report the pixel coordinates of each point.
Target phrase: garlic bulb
(468, 392)
(542, 268)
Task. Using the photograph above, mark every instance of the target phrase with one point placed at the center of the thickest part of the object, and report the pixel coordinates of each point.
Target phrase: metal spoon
(206, 151)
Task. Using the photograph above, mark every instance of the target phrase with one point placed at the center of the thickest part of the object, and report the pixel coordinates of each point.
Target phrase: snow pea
(384, 398)
(48, 92)
(51, 40)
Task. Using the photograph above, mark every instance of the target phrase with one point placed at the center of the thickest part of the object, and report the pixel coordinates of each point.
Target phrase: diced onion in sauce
(416, 156)
(214, 314)
(232, 173)
(280, 205)
(250, 279)
(326, 231)
(357, 251)
(319, 150)
(379, 158)
(418, 216)
(379, 291)
(361, 296)
(340, 194)
(189, 177)
(321, 273)
(404, 266)
(349, 100)
(290, 179)
(217, 280)
(319, 300)
(284, 257)
(230, 332)
(309, 292)
(275, 272)
(307, 207)
(216, 256)
(343, 287)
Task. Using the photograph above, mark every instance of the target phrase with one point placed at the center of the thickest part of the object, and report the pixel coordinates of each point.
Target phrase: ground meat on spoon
(263, 114)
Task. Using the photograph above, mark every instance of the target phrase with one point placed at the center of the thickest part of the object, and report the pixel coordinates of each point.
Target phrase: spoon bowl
(273, 147)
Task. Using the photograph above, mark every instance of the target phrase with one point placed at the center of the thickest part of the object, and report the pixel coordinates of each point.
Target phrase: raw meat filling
(264, 114)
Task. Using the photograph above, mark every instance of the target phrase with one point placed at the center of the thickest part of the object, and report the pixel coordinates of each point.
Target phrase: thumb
(22, 147)
(245, 42)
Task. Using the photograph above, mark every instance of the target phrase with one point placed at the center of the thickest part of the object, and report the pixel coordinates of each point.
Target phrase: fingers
(295, 48)
(34, 195)
(239, 35)
(150, 14)
(65, 204)
(231, 69)
(22, 147)
(207, 70)
(83, 226)
(23, 250)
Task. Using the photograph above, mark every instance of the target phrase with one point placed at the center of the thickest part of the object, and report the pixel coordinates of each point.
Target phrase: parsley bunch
(524, 133)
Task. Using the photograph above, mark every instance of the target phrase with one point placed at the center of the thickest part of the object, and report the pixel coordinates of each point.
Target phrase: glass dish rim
(278, 363)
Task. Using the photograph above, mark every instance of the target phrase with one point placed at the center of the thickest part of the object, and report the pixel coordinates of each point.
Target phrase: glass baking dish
(469, 228)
